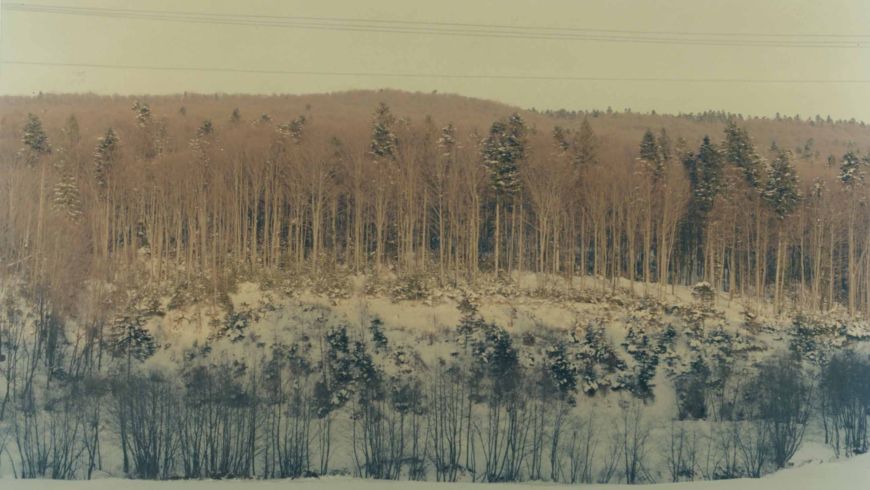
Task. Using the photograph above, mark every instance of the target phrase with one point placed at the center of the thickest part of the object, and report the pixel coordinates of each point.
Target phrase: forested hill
(407, 286)
(441, 186)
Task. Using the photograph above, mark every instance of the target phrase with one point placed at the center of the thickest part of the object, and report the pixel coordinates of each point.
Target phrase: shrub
(845, 397)
(782, 402)
(703, 292)
(410, 287)
(691, 391)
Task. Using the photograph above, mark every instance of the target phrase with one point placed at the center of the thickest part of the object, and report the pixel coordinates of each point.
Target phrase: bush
(331, 283)
(600, 366)
(782, 401)
(703, 292)
(845, 397)
(645, 353)
(691, 389)
(810, 337)
(410, 287)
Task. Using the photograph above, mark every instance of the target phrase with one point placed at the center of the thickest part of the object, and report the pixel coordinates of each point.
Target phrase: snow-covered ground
(539, 308)
(851, 474)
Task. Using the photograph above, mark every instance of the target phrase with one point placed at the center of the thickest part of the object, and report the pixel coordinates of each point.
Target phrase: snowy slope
(534, 310)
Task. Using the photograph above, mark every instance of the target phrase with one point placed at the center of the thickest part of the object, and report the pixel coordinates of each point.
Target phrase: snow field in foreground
(851, 474)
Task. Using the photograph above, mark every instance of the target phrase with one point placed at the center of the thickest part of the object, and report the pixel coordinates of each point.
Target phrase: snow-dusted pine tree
(384, 142)
(297, 129)
(35, 140)
(106, 155)
(206, 129)
(383, 149)
(782, 195)
(586, 145)
(561, 138)
(650, 153)
(67, 198)
(781, 189)
(740, 152)
(851, 172)
(143, 114)
(503, 151)
(852, 176)
(705, 175)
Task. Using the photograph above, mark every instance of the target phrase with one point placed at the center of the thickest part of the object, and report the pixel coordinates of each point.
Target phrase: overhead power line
(437, 75)
(41, 7)
(395, 26)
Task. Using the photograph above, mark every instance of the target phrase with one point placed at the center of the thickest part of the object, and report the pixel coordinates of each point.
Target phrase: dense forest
(288, 286)
(220, 187)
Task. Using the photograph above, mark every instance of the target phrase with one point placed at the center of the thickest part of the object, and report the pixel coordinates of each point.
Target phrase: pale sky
(95, 40)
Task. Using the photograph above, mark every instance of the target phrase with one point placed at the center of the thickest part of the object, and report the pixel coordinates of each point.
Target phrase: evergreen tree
(447, 146)
(560, 138)
(333, 391)
(781, 189)
(503, 150)
(155, 134)
(496, 363)
(740, 152)
(206, 129)
(447, 141)
(850, 169)
(586, 145)
(297, 128)
(649, 149)
(67, 197)
(130, 338)
(384, 143)
(201, 146)
(35, 140)
(143, 114)
(106, 155)
(705, 175)
(562, 372)
(650, 153)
